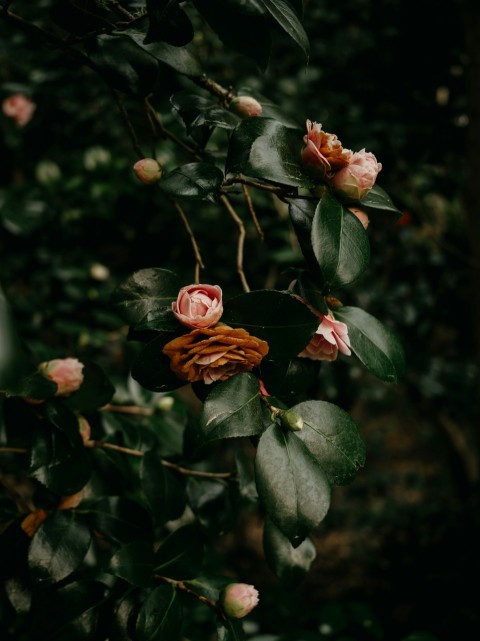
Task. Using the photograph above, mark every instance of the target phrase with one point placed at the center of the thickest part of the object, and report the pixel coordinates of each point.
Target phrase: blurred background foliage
(398, 546)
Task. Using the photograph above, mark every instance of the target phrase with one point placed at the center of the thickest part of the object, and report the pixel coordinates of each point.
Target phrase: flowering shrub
(122, 512)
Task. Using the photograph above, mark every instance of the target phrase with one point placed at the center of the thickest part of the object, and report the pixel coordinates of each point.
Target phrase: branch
(128, 409)
(214, 88)
(198, 258)
(241, 240)
(116, 6)
(183, 586)
(165, 133)
(252, 212)
(128, 122)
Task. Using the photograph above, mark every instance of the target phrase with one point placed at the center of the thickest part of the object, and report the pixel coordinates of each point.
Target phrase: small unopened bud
(246, 107)
(238, 599)
(291, 420)
(165, 403)
(147, 170)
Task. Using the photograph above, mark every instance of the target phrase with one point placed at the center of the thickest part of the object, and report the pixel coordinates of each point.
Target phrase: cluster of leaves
(124, 560)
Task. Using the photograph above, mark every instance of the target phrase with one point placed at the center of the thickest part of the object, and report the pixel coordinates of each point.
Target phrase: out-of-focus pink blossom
(330, 338)
(198, 306)
(20, 108)
(356, 179)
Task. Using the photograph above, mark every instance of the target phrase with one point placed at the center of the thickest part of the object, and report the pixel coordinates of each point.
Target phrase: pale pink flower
(361, 215)
(330, 338)
(198, 306)
(20, 108)
(65, 372)
(356, 179)
(246, 106)
(323, 154)
(238, 599)
(148, 170)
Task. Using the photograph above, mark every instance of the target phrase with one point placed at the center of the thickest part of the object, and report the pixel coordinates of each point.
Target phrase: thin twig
(214, 88)
(183, 586)
(241, 241)
(128, 409)
(128, 122)
(116, 6)
(198, 258)
(253, 183)
(165, 133)
(253, 214)
(14, 450)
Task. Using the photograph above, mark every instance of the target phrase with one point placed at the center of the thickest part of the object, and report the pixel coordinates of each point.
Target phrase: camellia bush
(115, 491)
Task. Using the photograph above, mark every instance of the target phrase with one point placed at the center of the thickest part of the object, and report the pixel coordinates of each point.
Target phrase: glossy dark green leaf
(34, 385)
(332, 438)
(119, 519)
(160, 618)
(284, 15)
(287, 380)
(168, 22)
(151, 368)
(291, 484)
(377, 198)
(178, 58)
(58, 547)
(19, 593)
(146, 290)
(288, 563)
(232, 409)
(197, 180)
(60, 466)
(14, 364)
(375, 345)
(301, 215)
(95, 391)
(79, 18)
(134, 563)
(242, 26)
(264, 148)
(180, 555)
(124, 615)
(211, 503)
(60, 415)
(198, 110)
(340, 243)
(123, 64)
(156, 320)
(69, 613)
(163, 488)
(276, 317)
(230, 630)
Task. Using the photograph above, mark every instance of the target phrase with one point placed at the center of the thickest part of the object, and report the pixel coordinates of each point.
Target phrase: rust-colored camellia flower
(214, 354)
(323, 154)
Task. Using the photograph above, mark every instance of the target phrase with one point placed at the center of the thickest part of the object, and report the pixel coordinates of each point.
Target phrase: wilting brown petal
(214, 353)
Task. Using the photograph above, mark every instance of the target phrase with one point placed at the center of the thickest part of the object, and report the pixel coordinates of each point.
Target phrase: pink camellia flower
(361, 215)
(246, 106)
(238, 599)
(148, 170)
(358, 177)
(198, 306)
(323, 154)
(20, 108)
(65, 372)
(330, 338)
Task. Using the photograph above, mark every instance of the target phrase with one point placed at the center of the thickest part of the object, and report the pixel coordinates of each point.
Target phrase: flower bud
(238, 599)
(291, 420)
(246, 107)
(165, 403)
(65, 372)
(148, 170)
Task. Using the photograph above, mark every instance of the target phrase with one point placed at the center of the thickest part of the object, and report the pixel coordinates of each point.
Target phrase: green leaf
(74, 16)
(240, 25)
(264, 148)
(168, 22)
(376, 346)
(160, 618)
(123, 64)
(340, 243)
(332, 438)
(151, 368)
(232, 409)
(301, 214)
(311, 290)
(164, 490)
(285, 16)
(180, 555)
(95, 391)
(289, 564)
(197, 180)
(178, 58)
(34, 385)
(276, 317)
(62, 417)
(211, 503)
(58, 547)
(378, 199)
(69, 613)
(146, 290)
(291, 379)
(291, 484)
(197, 110)
(230, 630)
(134, 563)
(119, 519)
